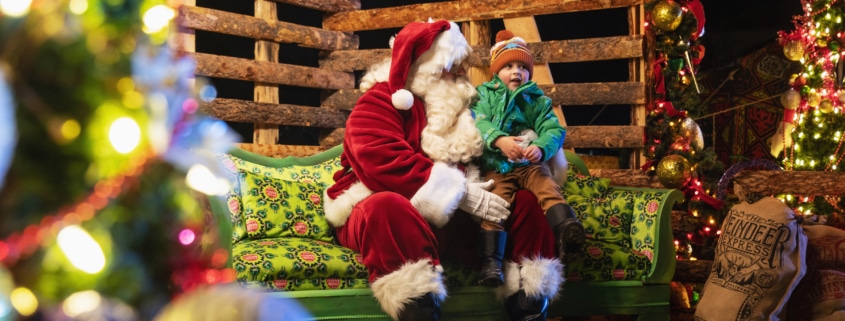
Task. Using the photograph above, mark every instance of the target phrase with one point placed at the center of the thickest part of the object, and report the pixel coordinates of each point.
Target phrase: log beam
(561, 94)
(234, 110)
(627, 177)
(804, 183)
(262, 29)
(281, 151)
(604, 137)
(555, 51)
(326, 5)
(460, 11)
(267, 72)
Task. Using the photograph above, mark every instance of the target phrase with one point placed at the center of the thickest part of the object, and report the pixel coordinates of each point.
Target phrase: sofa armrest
(651, 229)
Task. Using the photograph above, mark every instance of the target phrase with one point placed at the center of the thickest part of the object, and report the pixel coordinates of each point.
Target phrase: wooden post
(526, 27)
(640, 70)
(266, 93)
(478, 34)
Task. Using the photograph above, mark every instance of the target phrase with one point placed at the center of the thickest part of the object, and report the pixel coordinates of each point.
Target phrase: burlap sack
(759, 262)
(825, 247)
(819, 296)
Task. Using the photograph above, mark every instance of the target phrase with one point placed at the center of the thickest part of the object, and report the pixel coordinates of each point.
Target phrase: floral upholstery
(281, 239)
(621, 227)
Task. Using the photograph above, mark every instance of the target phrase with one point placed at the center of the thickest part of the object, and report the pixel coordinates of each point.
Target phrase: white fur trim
(338, 210)
(393, 291)
(449, 48)
(402, 99)
(558, 166)
(538, 277)
(439, 197)
(473, 173)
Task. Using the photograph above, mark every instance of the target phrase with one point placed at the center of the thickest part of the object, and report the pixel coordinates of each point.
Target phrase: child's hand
(509, 146)
(533, 154)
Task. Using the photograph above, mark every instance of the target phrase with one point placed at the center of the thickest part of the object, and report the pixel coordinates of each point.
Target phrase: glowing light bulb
(124, 135)
(203, 180)
(81, 302)
(158, 18)
(15, 8)
(81, 249)
(24, 301)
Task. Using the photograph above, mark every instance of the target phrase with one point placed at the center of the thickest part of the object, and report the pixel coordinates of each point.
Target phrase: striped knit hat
(510, 48)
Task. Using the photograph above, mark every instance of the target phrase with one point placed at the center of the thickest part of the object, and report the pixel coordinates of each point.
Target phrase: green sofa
(281, 242)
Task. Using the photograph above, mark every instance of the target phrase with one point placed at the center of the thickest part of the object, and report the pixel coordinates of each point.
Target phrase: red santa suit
(391, 194)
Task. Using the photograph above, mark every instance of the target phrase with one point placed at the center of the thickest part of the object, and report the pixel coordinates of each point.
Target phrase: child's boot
(568, 230)
(491, 249)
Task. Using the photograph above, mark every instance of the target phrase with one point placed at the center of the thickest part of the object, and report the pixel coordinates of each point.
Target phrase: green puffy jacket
(501, 112)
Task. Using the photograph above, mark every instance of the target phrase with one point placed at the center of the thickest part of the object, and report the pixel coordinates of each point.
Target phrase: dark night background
(733, 29)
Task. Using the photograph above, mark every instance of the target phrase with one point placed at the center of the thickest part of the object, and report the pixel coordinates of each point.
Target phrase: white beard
(450, 134)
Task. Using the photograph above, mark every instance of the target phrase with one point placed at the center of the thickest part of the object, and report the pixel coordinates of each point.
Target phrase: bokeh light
(203, 180)
(187, 236)
(24, 301)
(15, 8)
(81, 249)
(124, 135)
(81, 302)
(158, 18)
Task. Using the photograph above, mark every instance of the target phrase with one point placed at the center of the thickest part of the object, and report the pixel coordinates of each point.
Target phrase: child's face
(514, 74)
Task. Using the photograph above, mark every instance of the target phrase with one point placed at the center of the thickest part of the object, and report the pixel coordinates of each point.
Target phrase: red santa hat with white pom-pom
(412, 44)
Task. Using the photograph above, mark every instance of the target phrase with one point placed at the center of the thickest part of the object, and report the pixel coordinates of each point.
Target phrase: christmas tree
(811, 134)
(102, 152)
(675, 148)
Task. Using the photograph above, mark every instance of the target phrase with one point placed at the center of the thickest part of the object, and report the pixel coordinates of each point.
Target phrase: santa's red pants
(389, 232)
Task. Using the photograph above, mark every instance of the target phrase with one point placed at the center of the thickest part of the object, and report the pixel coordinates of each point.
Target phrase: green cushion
(298, 264)
(605, 219)
(605, 261)
(585, 185)
(644, 225)
(302, 170)
(278, 208)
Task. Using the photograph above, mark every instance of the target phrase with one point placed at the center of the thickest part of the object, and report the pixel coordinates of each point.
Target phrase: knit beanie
(510, 48)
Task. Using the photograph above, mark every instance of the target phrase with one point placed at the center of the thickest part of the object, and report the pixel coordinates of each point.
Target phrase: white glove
(483, 204)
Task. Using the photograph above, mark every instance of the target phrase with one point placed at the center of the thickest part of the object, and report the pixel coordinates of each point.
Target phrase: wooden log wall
(340, 58)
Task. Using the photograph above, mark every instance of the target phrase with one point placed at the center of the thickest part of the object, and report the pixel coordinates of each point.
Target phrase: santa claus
(406, 154)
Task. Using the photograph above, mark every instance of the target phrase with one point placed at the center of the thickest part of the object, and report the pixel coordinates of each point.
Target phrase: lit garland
(108, 127)
(810, 135)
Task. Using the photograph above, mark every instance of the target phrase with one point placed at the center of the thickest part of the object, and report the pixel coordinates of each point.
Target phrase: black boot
(424, 308)
(568, 230)
(522, 308)
(491, 248)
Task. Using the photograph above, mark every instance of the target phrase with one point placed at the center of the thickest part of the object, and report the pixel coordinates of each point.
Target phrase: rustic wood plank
(627, 177)
(257, 28)
(263, 132)
(326, 5)
(640, 70)
(561, 94)
(281, 74)
(805, 183)
(331, 137)
(478, 35)
(281, 151)
(245, 111)
(555, 51)
(604, 137)
(608, 93)
(460, 11)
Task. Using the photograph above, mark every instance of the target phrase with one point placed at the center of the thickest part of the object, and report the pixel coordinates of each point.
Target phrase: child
(508, 105)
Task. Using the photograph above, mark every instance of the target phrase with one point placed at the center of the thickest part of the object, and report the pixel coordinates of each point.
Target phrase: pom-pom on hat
(510, 48)
(411, 42)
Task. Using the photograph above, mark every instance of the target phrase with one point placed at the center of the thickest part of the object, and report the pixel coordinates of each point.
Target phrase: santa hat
(510, 48)
(411, 46)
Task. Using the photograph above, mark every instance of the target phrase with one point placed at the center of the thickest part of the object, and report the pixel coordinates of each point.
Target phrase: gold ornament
(826, 106)
(674, 171)
(690, 130)
(793, 50)
(821, 42)
(685, 80)
(667, 15)
(813, 99)
(790, 99)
